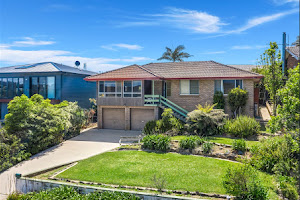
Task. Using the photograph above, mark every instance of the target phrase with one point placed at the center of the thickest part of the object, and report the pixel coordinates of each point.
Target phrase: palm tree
(176, 55)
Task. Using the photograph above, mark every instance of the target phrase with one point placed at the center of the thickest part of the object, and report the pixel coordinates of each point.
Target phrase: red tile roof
(125, 73)
(178, 70)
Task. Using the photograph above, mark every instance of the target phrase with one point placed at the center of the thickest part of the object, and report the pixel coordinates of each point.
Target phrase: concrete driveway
(89, 143)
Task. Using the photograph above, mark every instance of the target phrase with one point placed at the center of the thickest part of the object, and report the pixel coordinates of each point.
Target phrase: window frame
(11, 89)
(132, 93)
(38, 86)
(235, 84)
(189, 87)
(115, 93)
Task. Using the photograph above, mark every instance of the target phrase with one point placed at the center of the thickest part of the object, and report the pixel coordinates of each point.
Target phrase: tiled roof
(294, 51)
(176, 70)
(198, 69)
(130, 72)
(44, 67)
(244, 67)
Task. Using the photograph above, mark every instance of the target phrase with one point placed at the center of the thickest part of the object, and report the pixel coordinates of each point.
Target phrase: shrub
(150, 127)
(219, 100)
(168, 122)
(61, 193)
(34, 124)
(159, 182)
(207, 147)
(12, 150)
(205, 123)
(288, 188)
(190, 142)
(207, 108)
(156, 142)
(239, 145)
(237, 99)
(242, 126)
(244, 184)
(277, 155)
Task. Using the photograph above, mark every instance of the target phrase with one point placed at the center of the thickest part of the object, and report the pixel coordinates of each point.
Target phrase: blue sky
(109, 34)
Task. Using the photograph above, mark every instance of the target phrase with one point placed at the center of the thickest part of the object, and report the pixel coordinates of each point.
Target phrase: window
(11, 87)
(226, 85)
(189, 87)
(168, 87)
(42, 85)
(132, 88)
(51, 87)
(110, 88)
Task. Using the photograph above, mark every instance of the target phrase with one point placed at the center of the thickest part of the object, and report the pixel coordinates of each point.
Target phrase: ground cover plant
(136, 168)
(156, 142)
(215, 139)
(61, 193)
(190, 142)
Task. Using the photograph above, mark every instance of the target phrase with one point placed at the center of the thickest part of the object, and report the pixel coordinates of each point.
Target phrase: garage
(113, 118)
(139, 117)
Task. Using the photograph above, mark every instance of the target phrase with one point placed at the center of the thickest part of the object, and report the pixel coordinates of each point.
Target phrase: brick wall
(189, 102)
(206, 93)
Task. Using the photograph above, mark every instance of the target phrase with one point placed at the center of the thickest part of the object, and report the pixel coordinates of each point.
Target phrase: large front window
(189, 87)
(226, 85)
(44, 86)
(132, 88)
(110, 88)
(114, 89)
(11, 87)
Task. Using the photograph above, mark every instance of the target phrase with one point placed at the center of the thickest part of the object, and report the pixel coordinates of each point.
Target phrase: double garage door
(114, 118)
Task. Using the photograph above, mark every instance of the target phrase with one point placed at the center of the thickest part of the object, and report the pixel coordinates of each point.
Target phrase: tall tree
(176, 55)
(297, 42)
(270, 62)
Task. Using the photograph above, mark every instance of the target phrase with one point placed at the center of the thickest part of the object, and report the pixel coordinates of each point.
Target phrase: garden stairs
(162, 102)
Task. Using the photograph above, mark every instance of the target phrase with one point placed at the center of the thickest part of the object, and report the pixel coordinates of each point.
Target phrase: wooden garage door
(139, 117)
(113, 118)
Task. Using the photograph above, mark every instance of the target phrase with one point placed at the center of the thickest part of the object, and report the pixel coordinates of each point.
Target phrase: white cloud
(26, 42)
(214, 52)
(281, 2)
(196, 21)
(261, 20)
(246, 47)
(14, 57)
(115, 47)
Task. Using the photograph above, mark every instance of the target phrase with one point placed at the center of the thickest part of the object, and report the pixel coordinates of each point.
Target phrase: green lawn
(221, 140)
(136, 168)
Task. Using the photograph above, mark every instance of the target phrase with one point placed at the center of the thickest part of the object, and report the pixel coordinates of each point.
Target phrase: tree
(296, 43)
(237, 100)
(288, 117)
(271, 63)
(176, 55)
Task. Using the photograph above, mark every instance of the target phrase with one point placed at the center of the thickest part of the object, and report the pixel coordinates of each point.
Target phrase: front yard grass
(220, 140)
(136, 168)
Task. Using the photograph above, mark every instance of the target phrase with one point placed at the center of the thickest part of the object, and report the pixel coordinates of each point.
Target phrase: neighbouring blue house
(54, 81)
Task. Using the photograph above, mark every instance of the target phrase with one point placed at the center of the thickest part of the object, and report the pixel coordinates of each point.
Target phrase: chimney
(283, 52)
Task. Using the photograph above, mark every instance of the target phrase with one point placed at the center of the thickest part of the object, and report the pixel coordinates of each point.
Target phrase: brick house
(128, 97)
(292, 57)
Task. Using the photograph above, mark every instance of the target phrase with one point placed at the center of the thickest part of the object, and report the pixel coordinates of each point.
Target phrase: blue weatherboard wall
(68, 86)
(74, 88)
